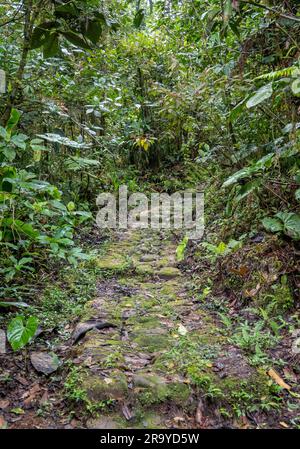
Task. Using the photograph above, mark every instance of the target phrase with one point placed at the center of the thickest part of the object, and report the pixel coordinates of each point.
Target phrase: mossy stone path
(162, 354)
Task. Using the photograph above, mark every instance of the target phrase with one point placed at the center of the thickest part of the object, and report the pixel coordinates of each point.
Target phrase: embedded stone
(45, 363)
(169, 272)
(2, 342)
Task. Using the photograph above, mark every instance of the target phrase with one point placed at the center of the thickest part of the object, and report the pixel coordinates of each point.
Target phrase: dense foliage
(160, 94)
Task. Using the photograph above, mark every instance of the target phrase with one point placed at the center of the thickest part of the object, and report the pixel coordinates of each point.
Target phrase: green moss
(108, 388)
(164, 262)
(254, 394)
(144, 269)
(113, 262)
(169, 272)
(152, 342)
(147, 419)
(153, 389)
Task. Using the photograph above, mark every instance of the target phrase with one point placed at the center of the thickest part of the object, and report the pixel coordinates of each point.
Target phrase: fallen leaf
(44, 398)
(245, 422)
(182, 330)
(22, 380)
(283, 424)
(126, 412)
(253, 292)
(32, 394)
(4, 404)
(178, 419)
(108, 381)
(74, 423)
(88, 361)
(199, 413)
(275, 376)
(241, 271)
(3, 423)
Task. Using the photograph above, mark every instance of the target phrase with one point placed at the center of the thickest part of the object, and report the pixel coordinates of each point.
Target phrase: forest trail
(146, 351)
(137, 370)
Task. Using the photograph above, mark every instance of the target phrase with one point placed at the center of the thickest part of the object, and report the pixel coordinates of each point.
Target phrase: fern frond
(272, 76)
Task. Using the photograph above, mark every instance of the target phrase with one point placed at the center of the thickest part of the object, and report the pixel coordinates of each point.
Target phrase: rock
(102, 389)
(128, 313)
(4, 404)
(82, 328)
(2, 342)
(105, 422)
(44, 362)
(169, 273)
(144, 269)
(148, 258)
(147, 380)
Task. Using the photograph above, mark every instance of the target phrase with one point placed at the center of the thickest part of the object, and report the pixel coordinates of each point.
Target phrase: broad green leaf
(41, 33)
(180, 250)
(13, 304)
(227, 10)
(51, 46)
(71, 206)
(13, 120)
(56, 138)
(243, 173)
(138, 18)
(237, 110)
(76, 39)
(297, 194)
(272, 224)
(67, 10)
(93, 31)
(77, 163)
(39, 37)
(291, 224)
(21, 331)
(3, 132)
(265, 162)
(19, 140)
(296, 86)
(247, 188)
(9, 153)
(261, 95)
(21, 227)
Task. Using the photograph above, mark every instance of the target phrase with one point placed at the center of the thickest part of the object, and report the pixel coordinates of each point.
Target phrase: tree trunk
(30, 16)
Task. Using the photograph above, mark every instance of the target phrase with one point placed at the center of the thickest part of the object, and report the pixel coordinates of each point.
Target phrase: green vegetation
(163, 96)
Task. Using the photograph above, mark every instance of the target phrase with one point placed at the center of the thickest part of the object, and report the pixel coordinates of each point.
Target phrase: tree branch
(281, 14)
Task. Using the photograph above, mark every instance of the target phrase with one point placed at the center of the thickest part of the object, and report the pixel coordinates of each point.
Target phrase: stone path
(148, 344)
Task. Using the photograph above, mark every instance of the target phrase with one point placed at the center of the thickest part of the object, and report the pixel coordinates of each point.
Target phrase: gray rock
(169, 273)
(2, 342)
(105, 422)
(44, 362)
(148, 258)
(147, 380)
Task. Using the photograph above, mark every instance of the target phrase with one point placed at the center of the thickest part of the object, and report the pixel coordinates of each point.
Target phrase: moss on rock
(99, 388)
